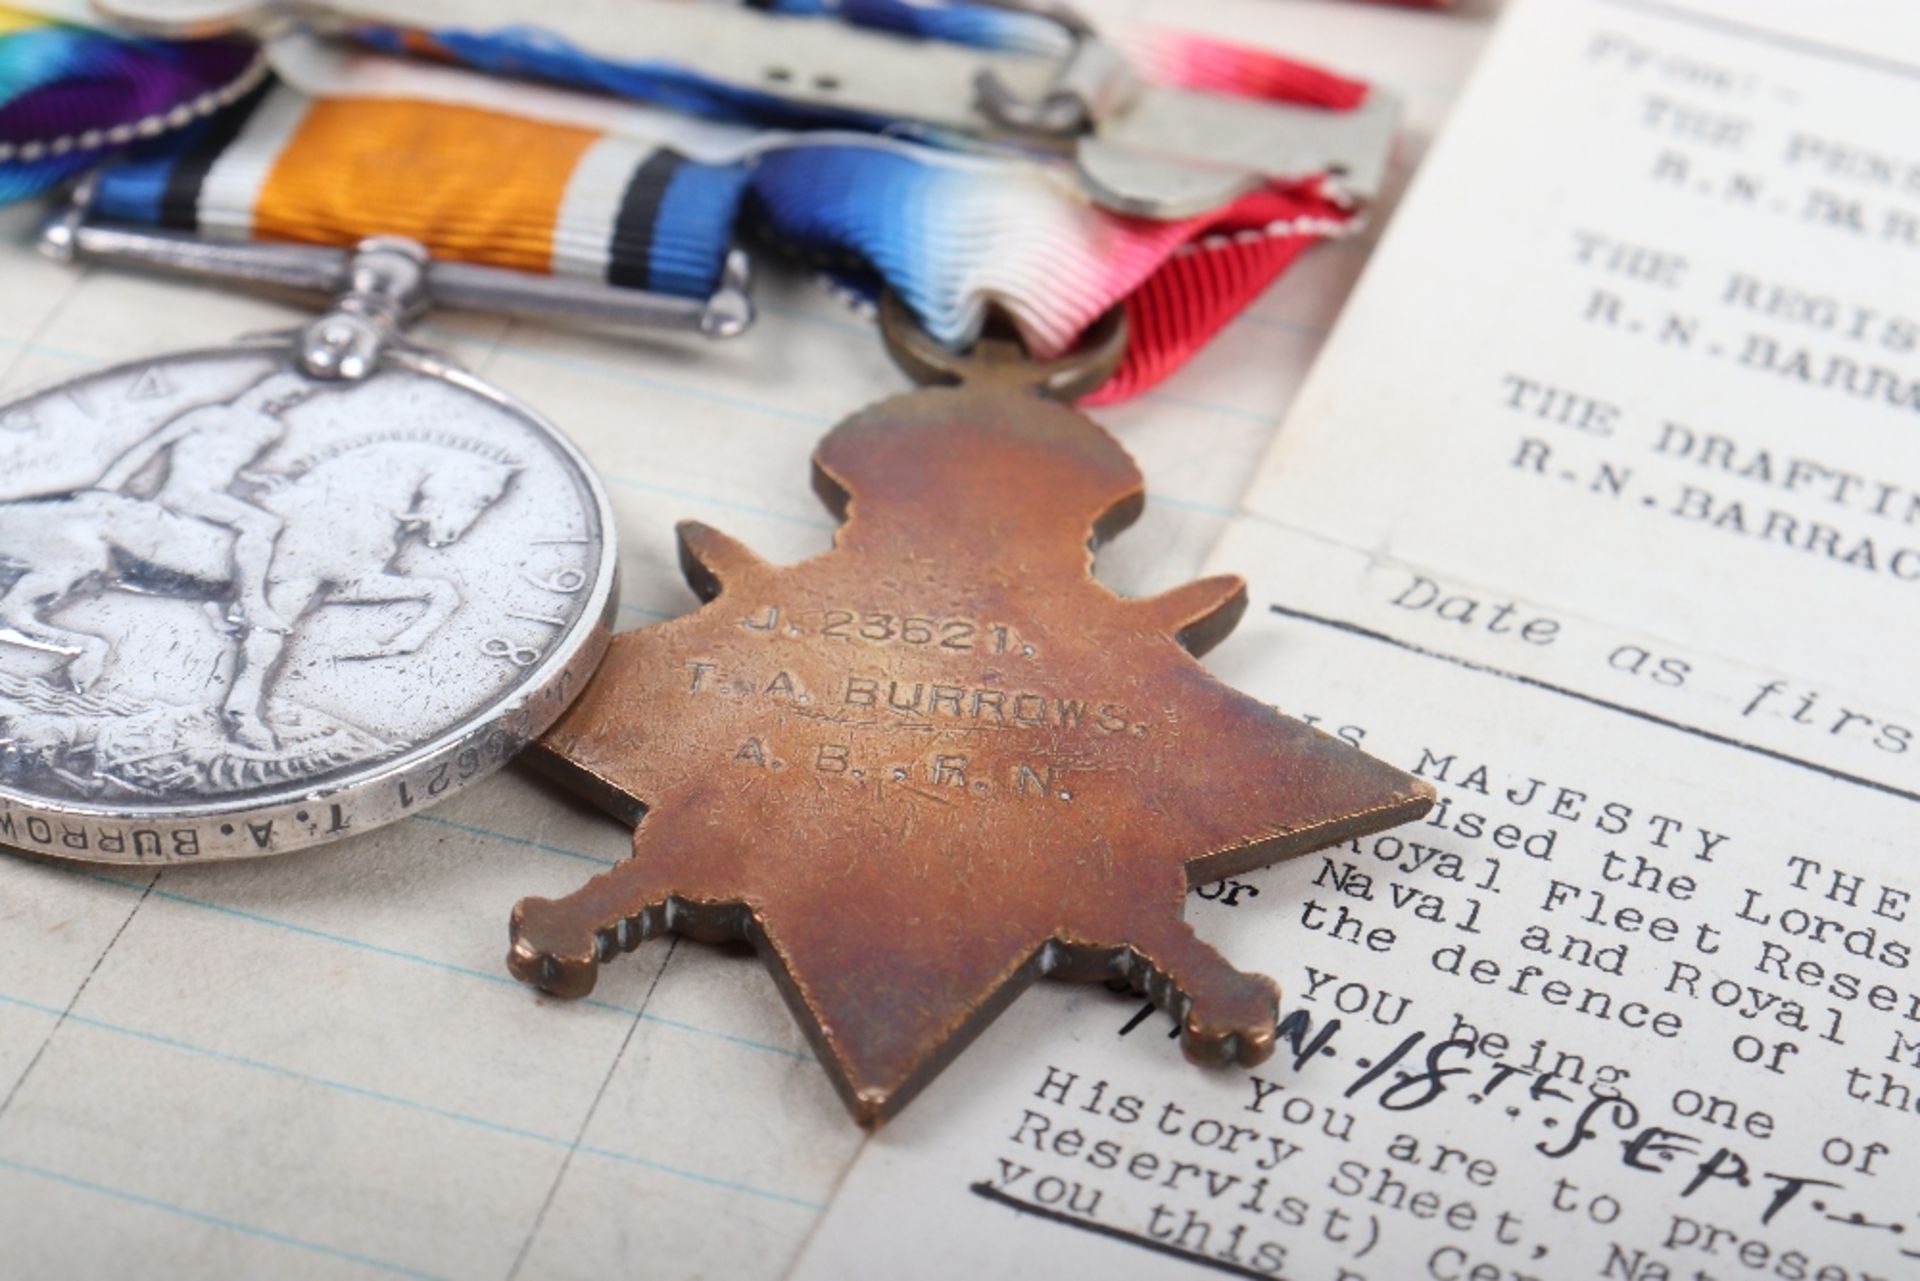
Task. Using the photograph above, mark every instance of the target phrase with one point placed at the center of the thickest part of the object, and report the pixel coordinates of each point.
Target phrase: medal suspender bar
(606, 190)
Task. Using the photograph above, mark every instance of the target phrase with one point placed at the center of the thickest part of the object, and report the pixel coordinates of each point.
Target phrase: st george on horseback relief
(219, 575)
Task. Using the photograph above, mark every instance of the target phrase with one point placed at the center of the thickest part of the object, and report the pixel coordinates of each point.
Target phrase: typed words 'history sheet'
(1601, 513)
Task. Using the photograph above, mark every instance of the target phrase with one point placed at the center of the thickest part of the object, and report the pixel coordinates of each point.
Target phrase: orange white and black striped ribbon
(472, 185)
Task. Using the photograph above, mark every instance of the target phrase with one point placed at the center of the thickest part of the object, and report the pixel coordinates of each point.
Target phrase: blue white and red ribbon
(955, 233)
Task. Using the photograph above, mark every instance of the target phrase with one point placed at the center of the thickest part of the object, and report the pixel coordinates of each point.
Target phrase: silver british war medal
(262, 596)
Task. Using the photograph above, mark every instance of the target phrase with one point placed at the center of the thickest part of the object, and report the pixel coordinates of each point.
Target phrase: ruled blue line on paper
(1187, 504)
(497, 980)
(214, 1220)
(652, 382)
(414, 1105)
(731, 504)
(58, 353)
(525, 842)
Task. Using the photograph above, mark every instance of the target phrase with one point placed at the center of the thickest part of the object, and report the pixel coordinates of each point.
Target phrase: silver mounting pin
(74, 235)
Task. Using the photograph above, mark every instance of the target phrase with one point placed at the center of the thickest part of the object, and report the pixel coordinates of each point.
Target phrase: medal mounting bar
(1137, 147)
(74, 234)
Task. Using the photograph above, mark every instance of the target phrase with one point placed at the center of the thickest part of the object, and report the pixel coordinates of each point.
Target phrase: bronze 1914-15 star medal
(938, 761)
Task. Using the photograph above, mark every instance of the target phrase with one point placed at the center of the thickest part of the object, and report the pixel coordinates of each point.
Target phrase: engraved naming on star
(928, 766)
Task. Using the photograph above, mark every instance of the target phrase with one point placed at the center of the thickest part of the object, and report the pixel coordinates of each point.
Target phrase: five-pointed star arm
(713, 561)
(1199, 614)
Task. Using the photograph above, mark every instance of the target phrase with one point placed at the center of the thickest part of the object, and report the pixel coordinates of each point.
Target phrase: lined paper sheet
(317, 1066)
(1635, 1001)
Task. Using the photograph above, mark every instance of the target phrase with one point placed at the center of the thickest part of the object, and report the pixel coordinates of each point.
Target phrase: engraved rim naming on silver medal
(260, 597)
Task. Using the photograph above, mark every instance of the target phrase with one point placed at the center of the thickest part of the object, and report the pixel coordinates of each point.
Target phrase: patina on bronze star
(927, 767)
